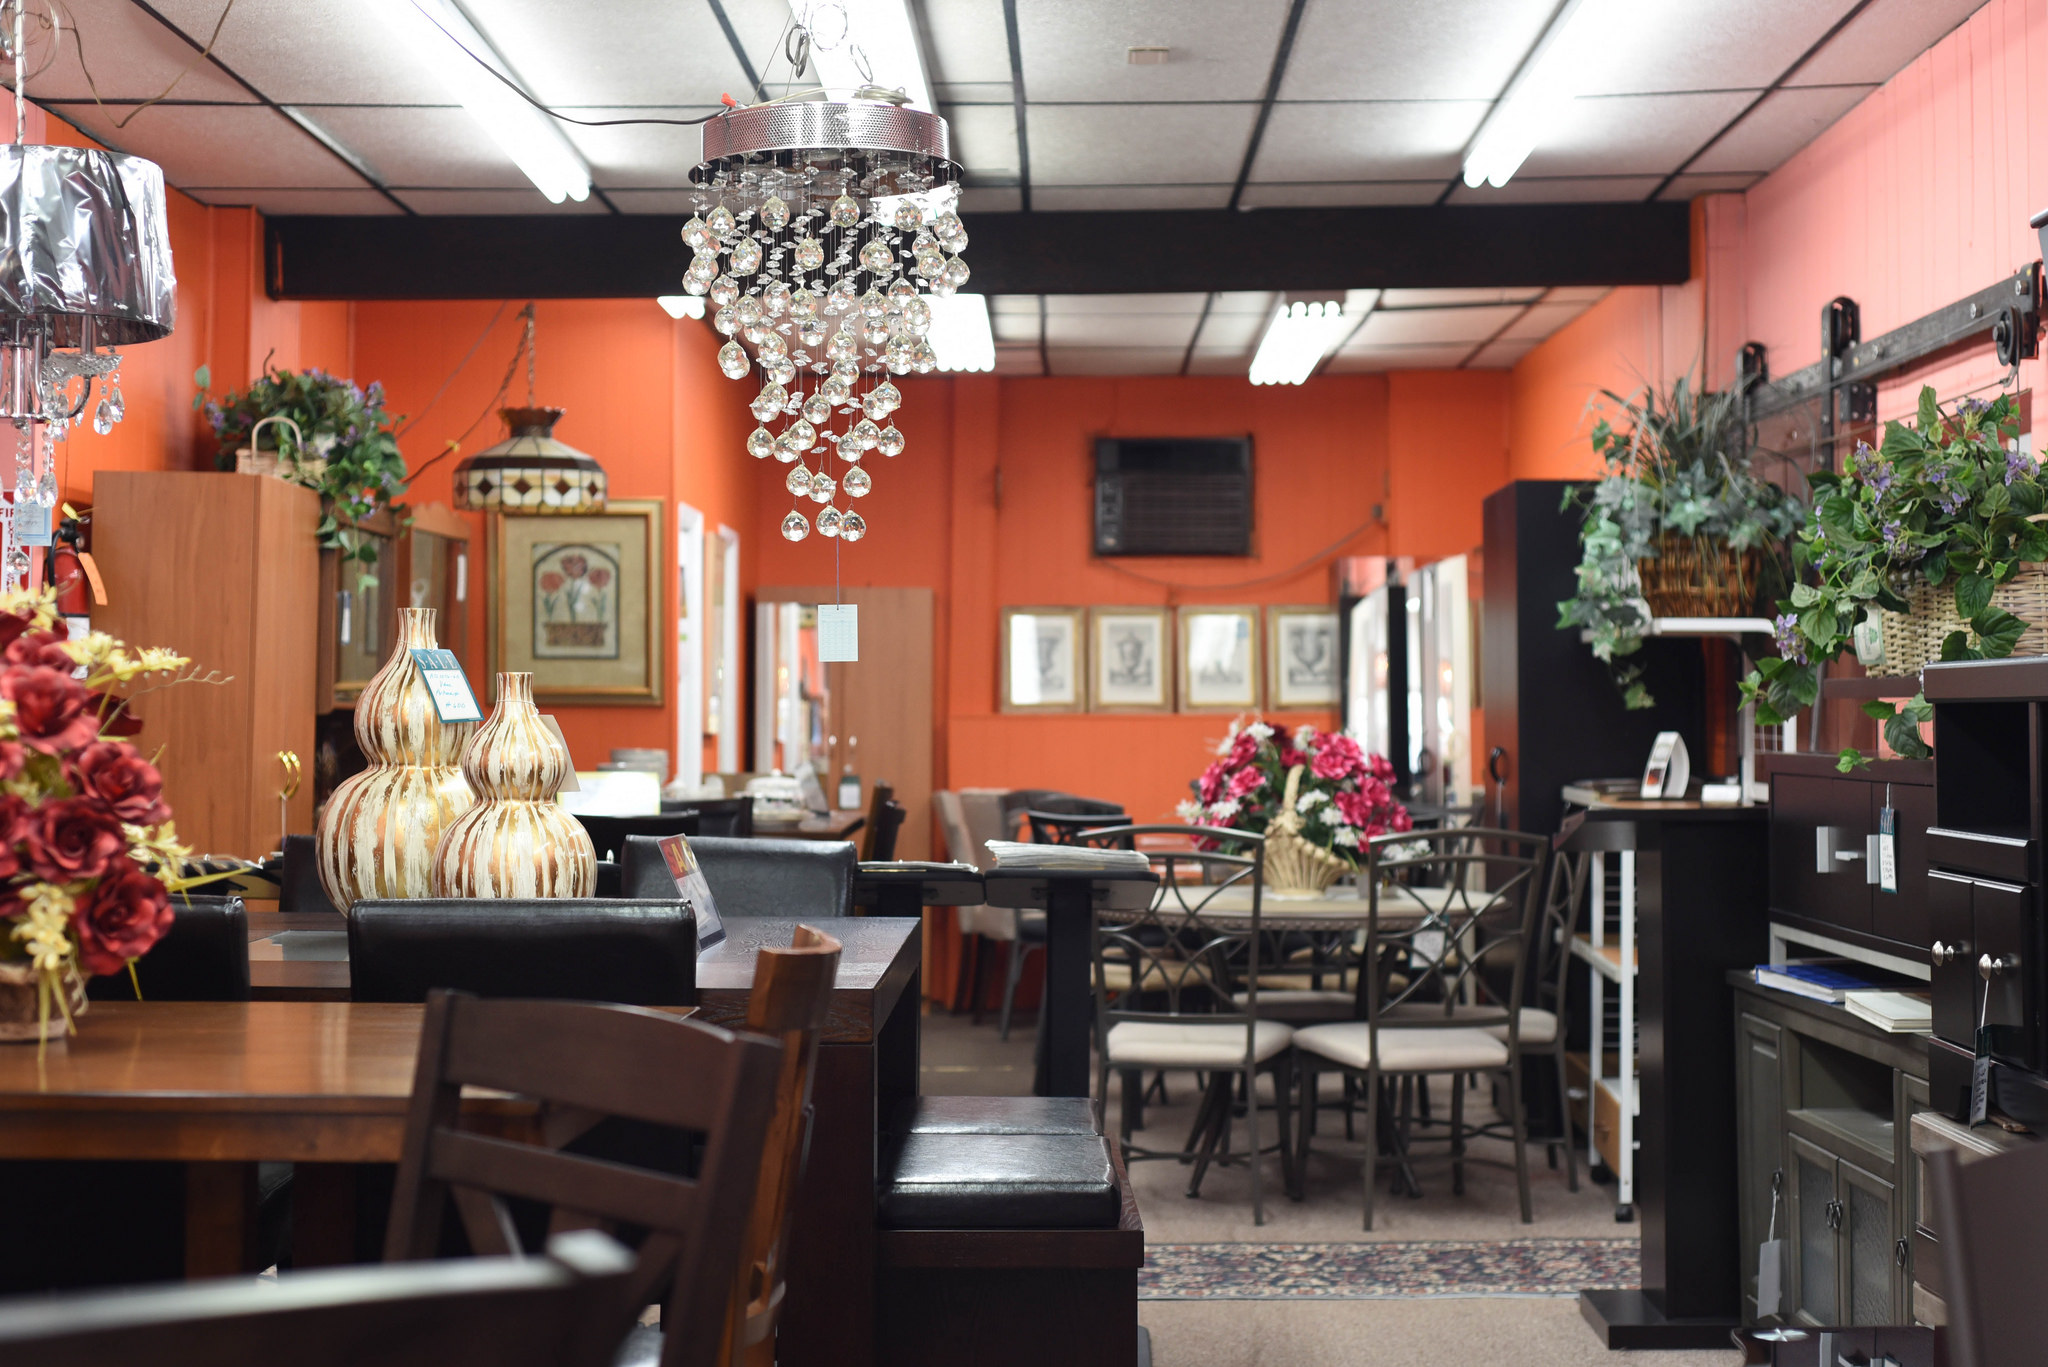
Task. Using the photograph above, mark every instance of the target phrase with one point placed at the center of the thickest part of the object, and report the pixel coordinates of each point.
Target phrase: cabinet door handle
(1992, 965)
(1901, 1251)
(1834, 1214)
(1947, 953)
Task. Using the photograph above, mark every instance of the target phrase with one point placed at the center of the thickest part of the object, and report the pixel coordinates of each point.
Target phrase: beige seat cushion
(1413, 1050)
(1149, 1044)
(1538, 1026)
(1302, 1004)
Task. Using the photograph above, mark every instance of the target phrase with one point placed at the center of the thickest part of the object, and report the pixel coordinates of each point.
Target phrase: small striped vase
(518, 841)
(376, 836)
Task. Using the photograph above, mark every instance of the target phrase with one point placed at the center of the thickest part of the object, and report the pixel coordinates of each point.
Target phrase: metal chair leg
(1564, 1118)
(1457, 1133)
(1219, 1117)
(1012, 972)
(1521, 1123)
(1251, 1127)
(1372, 1146)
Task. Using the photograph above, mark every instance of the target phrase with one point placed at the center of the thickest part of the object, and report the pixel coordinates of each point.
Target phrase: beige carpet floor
(964, 1059)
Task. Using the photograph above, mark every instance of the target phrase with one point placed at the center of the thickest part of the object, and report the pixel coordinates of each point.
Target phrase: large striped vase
(518, 841)
(377, 834)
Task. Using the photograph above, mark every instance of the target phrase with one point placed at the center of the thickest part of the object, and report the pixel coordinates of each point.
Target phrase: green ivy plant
(1940, 500)
(346, 448)
(1673, 466)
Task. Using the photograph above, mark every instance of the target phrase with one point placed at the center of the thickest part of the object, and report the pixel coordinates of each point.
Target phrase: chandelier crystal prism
(823, 230)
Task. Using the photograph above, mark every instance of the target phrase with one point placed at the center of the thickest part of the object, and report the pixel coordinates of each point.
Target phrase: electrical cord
(467, 357)
(503, 385)
(1298, 569)
(78, 40)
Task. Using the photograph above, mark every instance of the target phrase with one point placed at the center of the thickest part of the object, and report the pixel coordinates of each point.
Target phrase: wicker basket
(1297, 868)
(1694, 577)
(1913, 638)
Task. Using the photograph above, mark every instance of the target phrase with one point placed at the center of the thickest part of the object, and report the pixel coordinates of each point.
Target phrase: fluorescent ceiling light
(443, 40)
(1296, 341)
(885, 37)
(681, 305)
(961, 334)
(1537, 100)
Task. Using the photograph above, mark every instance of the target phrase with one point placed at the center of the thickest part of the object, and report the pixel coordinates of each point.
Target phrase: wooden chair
(585, 1062)
(1990, 1214)
(878, 805)
(473, 1312)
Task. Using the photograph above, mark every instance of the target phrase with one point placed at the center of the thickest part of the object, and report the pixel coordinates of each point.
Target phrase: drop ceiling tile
(989, 199)
(1116, 360)
(1259, 302)
(1879, 42)
(1543, 319)
(1408, 299)
(1013, 303)
(1502, 355)
(1119, 329)
(1559, 190)
(1018, 360)
(1340, 194)
(1687, 186)
(1081, 197)
(1169, 144)
(967, 45)
(282, 202)
(1378, 140)
(132, 57)
(678, 201)
(1786, 121)
(598, 52)
(1418, 327)
(1188, 304)
(1076, 49)
(641, 155)
(1369, 359)
(528, 201)
(1399, 50)
(1634, 48)
(984, 138)
(311, 51)
(1235, 332)
(1015, 327)
(439, 148)
(225, 145)
(1220, 361)
(1632, 134)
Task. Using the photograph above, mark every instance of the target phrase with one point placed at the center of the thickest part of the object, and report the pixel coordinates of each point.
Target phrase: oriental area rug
(1386, 1271)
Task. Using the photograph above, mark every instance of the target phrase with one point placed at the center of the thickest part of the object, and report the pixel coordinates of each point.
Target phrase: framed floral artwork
(1219, 659)
(576, 601)
(1130, 650)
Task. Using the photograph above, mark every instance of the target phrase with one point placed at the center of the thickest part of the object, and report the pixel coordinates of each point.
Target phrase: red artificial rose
(1211, 783)
(120, 919)
(118, 776)
(1333, 763)
(1245, 782)
(73, 839)
(11, 757)
(1241, 750)
(51, 711)
(1380, 767)
(44, 649)
(12, 626)
(1355, 808)
(1401, 821)
(14, 820)
(1289, 756)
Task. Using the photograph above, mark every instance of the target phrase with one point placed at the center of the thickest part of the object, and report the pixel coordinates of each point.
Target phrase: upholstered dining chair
(582, 1061)
(1440, 988)
(802, 878)
(642, 952)
(1177, 987)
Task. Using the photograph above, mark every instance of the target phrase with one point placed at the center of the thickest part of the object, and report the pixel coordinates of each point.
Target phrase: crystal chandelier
(85, 267)
(821, 226)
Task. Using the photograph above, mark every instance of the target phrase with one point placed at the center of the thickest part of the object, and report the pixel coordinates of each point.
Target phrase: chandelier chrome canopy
(821, 227)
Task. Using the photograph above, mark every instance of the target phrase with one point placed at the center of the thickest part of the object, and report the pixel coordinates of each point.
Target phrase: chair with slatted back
(879, 798)
(584, 1061)
(472, 1312)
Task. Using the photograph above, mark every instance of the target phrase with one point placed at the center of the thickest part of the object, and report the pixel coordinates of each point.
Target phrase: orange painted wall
(991, 506)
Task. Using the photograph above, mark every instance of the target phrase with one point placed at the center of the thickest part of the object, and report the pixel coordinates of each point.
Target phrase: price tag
(445, 682)
(32, 524)
(1887, 850)
(838, 632)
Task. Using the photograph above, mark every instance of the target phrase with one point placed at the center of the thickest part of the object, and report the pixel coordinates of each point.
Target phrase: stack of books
(1898, 1012)
(1012, 854)
(1823, 981)
(1898, 1005)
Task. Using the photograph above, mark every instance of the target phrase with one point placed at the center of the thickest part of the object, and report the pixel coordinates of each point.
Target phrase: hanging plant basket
(1912, 639)
(1699, 577)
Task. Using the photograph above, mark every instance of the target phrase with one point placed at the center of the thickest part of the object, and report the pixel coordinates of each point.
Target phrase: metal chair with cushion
(1441, 995)
(801, 878)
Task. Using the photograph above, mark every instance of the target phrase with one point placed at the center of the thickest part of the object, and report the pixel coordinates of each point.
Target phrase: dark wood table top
(880, 957)
(837, 824)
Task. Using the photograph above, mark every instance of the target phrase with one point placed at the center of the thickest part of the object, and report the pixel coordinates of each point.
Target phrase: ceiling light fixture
(680, 306)
(1536, 101)
(530, 471)
(961, 335)
(885, 55)
(1300, 334)
(442, 38)
(825, 235)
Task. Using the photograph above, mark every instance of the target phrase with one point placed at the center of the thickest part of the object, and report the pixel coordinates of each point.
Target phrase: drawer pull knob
(1946, 954)
(1992, 965)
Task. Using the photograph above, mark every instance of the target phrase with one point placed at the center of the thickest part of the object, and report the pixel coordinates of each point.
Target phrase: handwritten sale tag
(446, 684)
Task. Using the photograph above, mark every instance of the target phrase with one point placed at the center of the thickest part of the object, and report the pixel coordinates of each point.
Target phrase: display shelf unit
(1610, 955)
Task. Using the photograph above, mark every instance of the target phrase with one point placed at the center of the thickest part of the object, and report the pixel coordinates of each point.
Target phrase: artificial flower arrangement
(1343, 798)
(1941, 503)
(88, 853)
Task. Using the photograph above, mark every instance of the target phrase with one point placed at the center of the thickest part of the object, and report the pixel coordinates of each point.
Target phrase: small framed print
(576, 600)
(1044, 656)
(1219, 659)
(1301, 657)
(1129, 660)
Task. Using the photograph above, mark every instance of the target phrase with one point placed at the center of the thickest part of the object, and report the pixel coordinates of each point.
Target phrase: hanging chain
(527, 313)
(20, 72)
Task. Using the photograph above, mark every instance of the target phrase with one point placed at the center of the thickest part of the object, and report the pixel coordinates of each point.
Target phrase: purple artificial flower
(1894, 536)
(2018, 465)
(1968, 407)
(1790, 646)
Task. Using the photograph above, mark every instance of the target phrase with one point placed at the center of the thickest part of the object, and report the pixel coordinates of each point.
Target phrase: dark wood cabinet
(1824, 874)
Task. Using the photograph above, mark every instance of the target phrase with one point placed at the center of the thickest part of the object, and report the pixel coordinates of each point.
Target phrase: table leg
(220, 1219)
(1069, 1013)
(828, 1318)
(323, 1214)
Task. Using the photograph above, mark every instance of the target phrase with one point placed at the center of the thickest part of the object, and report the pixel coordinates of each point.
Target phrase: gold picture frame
(576, 600)
(1301, 658)
(1130, 659)
(1219, 659)
(1058, 643)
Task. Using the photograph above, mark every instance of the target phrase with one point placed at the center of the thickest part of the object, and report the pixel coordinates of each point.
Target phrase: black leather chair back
(638, 952)
(608, 884)
(608, 833)
(299, 880)
(726, 816)
(204, 957)
(806, 878)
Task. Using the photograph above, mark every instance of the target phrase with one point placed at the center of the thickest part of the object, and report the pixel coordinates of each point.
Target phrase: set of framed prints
(1155, 659)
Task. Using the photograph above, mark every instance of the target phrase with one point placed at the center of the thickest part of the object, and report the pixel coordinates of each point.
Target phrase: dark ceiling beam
(586, 256)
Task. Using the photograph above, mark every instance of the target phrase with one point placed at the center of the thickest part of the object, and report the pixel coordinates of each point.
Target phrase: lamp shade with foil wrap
(85, 248)
(530, 471)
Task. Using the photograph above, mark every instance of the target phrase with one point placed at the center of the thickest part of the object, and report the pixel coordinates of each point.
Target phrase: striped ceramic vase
(518, 841)
(377, 834)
